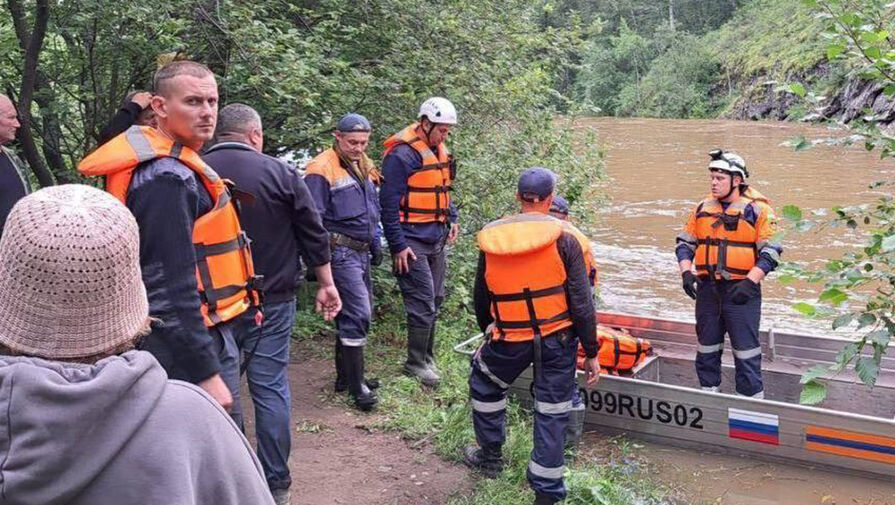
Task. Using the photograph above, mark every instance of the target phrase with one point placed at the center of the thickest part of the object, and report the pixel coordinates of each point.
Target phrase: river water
(656, 172)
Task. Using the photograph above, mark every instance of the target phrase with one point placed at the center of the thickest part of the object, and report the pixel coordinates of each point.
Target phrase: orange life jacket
(224, 267)
(428, 195)
(727, 243)
(586, 249)
(619, 352)
(525, 276)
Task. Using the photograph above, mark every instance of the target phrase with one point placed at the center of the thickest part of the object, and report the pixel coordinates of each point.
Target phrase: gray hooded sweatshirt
(118, 432)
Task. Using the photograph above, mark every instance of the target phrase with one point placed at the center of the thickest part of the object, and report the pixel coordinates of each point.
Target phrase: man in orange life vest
(730, 238)
(533, 301)
(194, 256)
(418, 218)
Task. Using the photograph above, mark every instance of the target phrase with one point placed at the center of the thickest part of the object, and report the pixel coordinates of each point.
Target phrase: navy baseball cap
(536, 184)
(559, 205)
(353, 123)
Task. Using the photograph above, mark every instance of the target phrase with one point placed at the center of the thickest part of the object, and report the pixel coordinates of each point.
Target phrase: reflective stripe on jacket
(525, 276)
(224, 269)
(428, 197)
(725, 243)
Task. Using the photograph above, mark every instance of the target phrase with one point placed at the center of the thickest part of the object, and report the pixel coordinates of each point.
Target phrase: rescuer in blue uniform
(729, 240)
(533, 302)
(342, 183)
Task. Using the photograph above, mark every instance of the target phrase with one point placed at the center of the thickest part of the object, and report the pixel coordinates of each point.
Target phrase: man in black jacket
(279, 216)
(135, 110)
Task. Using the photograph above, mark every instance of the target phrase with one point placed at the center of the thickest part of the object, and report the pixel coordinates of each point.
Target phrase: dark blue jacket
(397, 166)
(349, 205)
(280, 216)
(166, 198)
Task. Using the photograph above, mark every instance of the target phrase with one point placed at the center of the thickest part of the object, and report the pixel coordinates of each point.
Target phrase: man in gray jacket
(87, 419)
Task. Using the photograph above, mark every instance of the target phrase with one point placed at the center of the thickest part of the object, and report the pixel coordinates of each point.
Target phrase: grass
(442, 417)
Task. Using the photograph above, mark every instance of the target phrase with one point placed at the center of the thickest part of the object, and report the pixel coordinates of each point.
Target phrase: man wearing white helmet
(418, 218)
(729, 238)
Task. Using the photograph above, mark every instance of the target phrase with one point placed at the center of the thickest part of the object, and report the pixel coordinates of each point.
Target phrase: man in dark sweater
(13, 179)
(135, 110)
(279, 216)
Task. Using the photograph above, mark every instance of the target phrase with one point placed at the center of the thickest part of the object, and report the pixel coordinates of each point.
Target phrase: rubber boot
(574, 429)
(364, 399)
(417, 342)
(544, 499)
(342, 378)
(487, 462)
(430, 350)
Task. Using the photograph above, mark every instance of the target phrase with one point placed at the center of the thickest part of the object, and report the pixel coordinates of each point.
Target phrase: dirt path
(338, 457)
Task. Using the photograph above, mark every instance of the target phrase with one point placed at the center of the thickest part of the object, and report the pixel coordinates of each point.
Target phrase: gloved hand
(376, 257)
(743, 291)
(689, 284)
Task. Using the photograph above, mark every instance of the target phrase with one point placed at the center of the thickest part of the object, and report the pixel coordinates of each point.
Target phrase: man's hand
(215, 387)
(689, 281)
(142, 99)
(402, 261)
(327, 301)
(592, 371)
(453, 233)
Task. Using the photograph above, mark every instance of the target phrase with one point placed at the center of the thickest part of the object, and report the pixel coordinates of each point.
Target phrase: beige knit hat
(70, 282)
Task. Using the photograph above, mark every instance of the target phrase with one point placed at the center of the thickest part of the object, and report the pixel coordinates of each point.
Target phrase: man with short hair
(88, 420)
(341, 180)
(195, 258)
(279, 217)
(418, 218)
(730, 240)
(14, 182)
(533, 302)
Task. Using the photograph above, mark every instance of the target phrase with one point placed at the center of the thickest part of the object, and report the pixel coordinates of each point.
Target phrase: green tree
(859, 36)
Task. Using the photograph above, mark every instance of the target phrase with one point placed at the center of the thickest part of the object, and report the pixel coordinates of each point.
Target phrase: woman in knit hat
(87, 419)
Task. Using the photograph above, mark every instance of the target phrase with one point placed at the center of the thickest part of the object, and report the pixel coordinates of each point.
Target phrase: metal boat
(851, 431)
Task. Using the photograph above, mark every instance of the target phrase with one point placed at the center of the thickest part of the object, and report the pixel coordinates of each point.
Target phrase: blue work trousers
(351, 274)
(268, 382)
(495, 366)
(717, 315)
(423, 287)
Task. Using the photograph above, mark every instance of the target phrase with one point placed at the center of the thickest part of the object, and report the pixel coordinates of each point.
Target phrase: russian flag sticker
(754, 426)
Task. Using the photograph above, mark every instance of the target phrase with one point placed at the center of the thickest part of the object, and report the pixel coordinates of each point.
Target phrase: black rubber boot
(544, 499)
(574, 430)
(417, 342)
(364, 398)
(430, 351)
(486, 462)
(342, 378)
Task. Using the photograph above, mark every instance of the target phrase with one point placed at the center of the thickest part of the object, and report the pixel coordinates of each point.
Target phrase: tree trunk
(671, 14)
(31, 44)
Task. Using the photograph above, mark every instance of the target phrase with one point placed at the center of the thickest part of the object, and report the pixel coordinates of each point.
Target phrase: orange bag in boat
(619, 351)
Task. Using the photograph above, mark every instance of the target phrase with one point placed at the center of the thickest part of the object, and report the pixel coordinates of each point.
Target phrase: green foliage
(678, 84)
(301, 64)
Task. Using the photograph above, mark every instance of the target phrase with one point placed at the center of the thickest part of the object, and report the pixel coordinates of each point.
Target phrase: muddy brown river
(656, 172)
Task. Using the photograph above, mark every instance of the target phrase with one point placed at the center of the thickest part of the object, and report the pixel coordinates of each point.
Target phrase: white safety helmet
(438, 110)
(730, 163)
